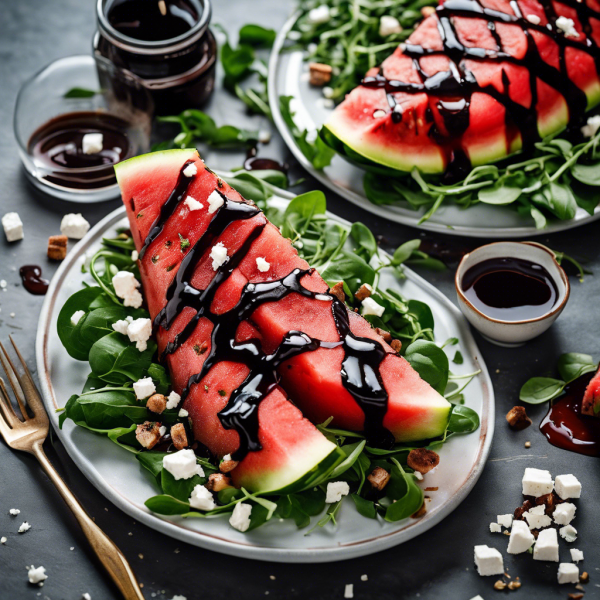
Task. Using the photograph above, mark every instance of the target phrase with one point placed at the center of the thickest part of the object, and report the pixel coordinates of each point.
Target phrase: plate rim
(363, 202)
(235, 548)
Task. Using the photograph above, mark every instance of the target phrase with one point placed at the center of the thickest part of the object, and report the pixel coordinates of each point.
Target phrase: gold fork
(28, 434)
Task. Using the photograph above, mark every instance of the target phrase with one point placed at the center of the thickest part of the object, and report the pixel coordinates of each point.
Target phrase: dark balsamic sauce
(457, 85)
(566, 427)
(510, 289)
(33, 282)
(255, 163)
(362, 356)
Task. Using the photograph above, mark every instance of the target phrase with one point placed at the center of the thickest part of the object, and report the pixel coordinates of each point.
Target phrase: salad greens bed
(107, 404)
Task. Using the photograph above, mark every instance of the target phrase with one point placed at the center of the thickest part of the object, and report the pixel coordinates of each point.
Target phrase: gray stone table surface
(438, 565)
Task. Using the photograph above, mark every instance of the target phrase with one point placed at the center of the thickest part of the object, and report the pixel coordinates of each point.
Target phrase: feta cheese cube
(240, 517)
(264, 136)
(215, 201)
(74, 226)
(85, 596)
(349, 590)
(534, 19)
(126, 285)
(537, 518)
(262, 265)
(3, 540)
(25, 526)
(76, 317)
(182, 464)
(14, 512)
(564, 513)
(567, 26)
(495, 528)
(520, 539)
(13, 227)
(193, 204)
(190, 170)
(568, 573)
(590, 129)
(92, 143)
(568, 486)
(219, 256)
(139, 331)
(568, 532)
(319, 15)
(389, 25)
(537, 482)
(576, 555)
(201, 498)
(488, 561)
(144, 388)
(173, 400)
(505, 520)
(546, 546)
(122, 325)
(370, 307)
(135, 255)
(182, 413)
(36, 575)
(336, 490)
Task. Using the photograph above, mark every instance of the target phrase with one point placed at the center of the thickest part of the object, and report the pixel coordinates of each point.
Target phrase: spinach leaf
(458, 358)
(106, 409)
(153, 462)
(79, 92)
(463, 420)
(402, 489)
(179, 488)
(255, 35)
(573, 365)
(430, 362)
(541, 389)
(352, 452)
(164, 504)
(365, 507)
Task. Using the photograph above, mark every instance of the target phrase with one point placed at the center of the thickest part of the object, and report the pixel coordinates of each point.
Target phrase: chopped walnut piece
(57, 247)
(320, 74)
(584, 577)
(499, 585)
(378, 478)
(364, 291)
(156, 403)
(517, 418)
(228, 465)
(396, 345)
(338, 291)
(179, 436)
(549, 501)
(522, 509)
(422, 460)
(514, 585)
(427, 11)
(386, 335)
(148, 434)
(421, 512)
(217, 482)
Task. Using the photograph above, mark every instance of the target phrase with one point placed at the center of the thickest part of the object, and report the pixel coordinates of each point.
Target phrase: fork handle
(106, 550)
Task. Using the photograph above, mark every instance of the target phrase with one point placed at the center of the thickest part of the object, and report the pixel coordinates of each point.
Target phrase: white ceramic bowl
(512, 333)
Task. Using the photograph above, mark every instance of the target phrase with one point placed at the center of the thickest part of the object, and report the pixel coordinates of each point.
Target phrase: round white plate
(119, 476)
(288, 76)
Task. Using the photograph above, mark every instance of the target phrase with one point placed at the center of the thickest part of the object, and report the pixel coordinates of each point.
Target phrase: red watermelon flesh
(591, 398)
(486, 121)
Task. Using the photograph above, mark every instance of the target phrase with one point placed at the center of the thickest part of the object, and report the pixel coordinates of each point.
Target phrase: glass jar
(179, 72)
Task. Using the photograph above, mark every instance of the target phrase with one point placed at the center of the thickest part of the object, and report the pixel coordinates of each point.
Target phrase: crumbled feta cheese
(192, 203)
(319, 15)
(190, 170)
(262, 265)
(567, 26)
(576, 555)
(162, 430)
(478, 597)
(85, 596)
(219, 256)
(25, 526)
(335, 491)
(182, 413)
(534, 19)
(173, 400)
(240, 517)
(568, 573)
(418, 475)
(264, 136)
(568, 532)
(537, 482)
(92, 143)
(3, 284)
(74, 226)
(564, 513)
(546, 545)
(179, 597)
(520, 539)
(349, 590)
(495, 528)
(370, 307)
(215, 201)
(140, 331)
(227, 457)
(36, 575)
(505, 520)
(126, 285)
(13, 227)
(537, 518)
(135, 255)
(389, 25)
(122, 325)
(364, 578)
(328, 92)
(202, 499)
(591, 128)
(14, 512)
(182, 464)
(488, 561)
(568, 486)
(3, 540)
(76, 316)
(144, 388)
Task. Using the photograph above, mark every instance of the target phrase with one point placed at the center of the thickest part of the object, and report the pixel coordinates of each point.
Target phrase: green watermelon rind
(176, 156)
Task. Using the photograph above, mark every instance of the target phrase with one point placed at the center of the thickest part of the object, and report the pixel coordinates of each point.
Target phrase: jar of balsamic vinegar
(166, 43)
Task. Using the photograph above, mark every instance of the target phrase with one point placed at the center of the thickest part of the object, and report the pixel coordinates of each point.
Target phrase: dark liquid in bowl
(510, 289)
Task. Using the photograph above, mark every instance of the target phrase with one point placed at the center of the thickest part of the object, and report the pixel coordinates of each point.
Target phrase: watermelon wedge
(241, 342)
(591, 398)
(475, 82)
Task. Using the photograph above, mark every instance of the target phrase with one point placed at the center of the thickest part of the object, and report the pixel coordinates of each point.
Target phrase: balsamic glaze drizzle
(458, 82)
(362, 356)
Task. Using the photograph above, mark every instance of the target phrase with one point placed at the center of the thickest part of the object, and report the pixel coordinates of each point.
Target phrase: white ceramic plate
(288, 76)
(119, 476)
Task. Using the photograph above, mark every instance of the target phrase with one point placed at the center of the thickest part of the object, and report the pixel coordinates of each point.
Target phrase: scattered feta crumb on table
(568, 533)
(240, 517)
(13, 227)
(505, 520)
(564, 513)
(521, 538)
(537, 518)
(74, 226)
(36, 575)
(14, 512)
(568, 573)
(25, 526)
(576, 555)
(349, 590)
(567, 486)
(495, 528)
(3, 540)
(537, 482)
(488, 561)
(546, 546)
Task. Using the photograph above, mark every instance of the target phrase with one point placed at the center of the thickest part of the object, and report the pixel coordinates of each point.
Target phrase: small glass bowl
(64, 88)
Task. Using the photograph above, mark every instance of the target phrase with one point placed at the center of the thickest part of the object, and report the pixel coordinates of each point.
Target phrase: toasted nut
(396, 345)
(427, 11)
(364, 291)
(58, 240)
(148, 434)
(422, 460)
(527, 444)
(320, 74)
(421, 512)
(549, 501)
(179, 436)
(522, 509)
(499, 585)
(584, 577)
(535, 533)
(338, 291)
(514, 585)
(517, 418)
(217, 482)
(386, 335)
(378, 478)
(156, 403)
(228, 465)
(575, 596)
(57, 247)
(432, 489)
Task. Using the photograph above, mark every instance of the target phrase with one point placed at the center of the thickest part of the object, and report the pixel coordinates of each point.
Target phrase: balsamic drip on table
(566, 427)
(458, 84)
(362, 356)
(510, 289)
(33, 282)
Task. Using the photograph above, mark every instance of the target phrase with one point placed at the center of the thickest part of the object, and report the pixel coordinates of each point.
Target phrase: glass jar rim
(153, 47)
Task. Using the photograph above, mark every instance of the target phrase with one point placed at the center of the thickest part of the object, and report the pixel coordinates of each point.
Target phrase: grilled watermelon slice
(591, 398)
(475, 82)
